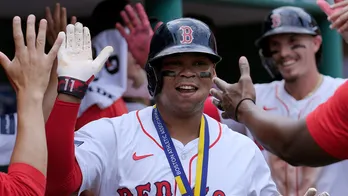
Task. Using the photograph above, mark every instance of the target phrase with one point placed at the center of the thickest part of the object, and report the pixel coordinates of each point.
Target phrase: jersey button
(183, 156)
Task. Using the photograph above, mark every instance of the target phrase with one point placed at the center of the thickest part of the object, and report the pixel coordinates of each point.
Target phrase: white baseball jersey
(8, 132)
(124, 156)
(273, 98)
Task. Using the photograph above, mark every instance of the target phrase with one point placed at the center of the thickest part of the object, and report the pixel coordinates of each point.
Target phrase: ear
(317, 41)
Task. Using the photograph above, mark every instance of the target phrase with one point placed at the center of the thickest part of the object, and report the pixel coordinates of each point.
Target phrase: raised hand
(75, 63)
(29, 71)
(57, 22)
(140, 32)
(337, 15)
(229, 96)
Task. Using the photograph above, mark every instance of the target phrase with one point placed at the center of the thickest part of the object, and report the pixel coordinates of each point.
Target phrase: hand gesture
(337, 15)
(29, 71)
(57, 22)
(230, 95)
(140, 32)
(75, 55)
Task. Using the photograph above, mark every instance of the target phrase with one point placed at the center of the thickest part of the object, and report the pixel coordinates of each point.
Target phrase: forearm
(30, 147)
(275, 133)
(62, 171)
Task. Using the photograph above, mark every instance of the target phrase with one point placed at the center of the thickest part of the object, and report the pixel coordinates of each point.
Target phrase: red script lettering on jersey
(137, 158)
(161, 188)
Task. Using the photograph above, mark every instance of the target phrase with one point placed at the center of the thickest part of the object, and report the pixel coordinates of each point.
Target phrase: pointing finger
(220, 83)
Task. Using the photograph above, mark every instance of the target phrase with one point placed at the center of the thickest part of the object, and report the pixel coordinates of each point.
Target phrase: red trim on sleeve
(328, 124)
(22, 179)
(63, 173)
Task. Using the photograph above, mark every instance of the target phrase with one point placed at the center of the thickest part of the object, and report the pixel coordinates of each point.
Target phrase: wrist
(30, 95)
(245, 110)
(72, 87)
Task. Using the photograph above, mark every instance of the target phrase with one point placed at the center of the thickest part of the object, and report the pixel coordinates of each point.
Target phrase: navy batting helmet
(284, 20)
(184, 35)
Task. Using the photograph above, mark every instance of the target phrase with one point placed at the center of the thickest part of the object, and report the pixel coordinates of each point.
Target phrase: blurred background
(237, 24)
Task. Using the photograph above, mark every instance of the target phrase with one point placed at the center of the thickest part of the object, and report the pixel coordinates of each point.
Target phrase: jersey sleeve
(95, 146)
(261, 181)
(8, 132)
(22, 179)
(328, 124)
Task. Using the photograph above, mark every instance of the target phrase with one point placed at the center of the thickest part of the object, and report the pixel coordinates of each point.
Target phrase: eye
(273, 52)
(200, 63)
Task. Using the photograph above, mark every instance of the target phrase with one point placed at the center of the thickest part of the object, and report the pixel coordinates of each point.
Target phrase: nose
(285, 51)
(187, 73)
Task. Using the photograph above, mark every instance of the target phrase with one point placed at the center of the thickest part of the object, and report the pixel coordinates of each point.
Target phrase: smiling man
(170, 149)
(290, 47)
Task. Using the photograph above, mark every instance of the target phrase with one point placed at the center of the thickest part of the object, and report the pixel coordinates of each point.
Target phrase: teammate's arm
(28, 75)
(75, 68)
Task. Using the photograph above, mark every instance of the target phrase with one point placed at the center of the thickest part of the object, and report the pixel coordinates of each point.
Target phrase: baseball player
(291, 46)
(319, 139)
(29, 73)
(169, 149)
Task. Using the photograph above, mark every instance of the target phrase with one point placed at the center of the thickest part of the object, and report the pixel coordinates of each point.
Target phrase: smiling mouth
(186, 89)
(288, 63)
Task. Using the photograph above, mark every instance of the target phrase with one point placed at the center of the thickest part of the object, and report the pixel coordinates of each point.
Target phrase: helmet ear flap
(269, 64)
(154, 79)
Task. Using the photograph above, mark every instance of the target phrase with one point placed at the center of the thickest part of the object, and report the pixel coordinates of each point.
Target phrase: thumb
(102, 57)
(244, 66)
(325, 7)
(4, 61)
(311, 192)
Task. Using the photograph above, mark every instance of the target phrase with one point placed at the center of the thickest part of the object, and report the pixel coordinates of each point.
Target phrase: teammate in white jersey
(291, 46)
(169, 149)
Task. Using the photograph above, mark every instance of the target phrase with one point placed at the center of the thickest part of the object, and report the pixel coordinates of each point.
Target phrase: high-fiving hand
(75, 55)
(140, 32)
(229, 96)
(337, 15)
(76, 67)
(30, 69)
(56, 22)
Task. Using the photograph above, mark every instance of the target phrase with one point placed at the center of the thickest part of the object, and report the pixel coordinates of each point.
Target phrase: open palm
(75, 55)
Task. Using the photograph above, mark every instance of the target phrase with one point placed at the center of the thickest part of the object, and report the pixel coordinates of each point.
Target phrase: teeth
(287, 63)
(187, 87)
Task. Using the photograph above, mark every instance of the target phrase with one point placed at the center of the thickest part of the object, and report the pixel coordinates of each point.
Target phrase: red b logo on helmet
(187, 37)
(276, 20)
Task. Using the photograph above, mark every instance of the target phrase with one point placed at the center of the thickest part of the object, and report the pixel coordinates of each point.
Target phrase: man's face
(294, 54)
(187, 79)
